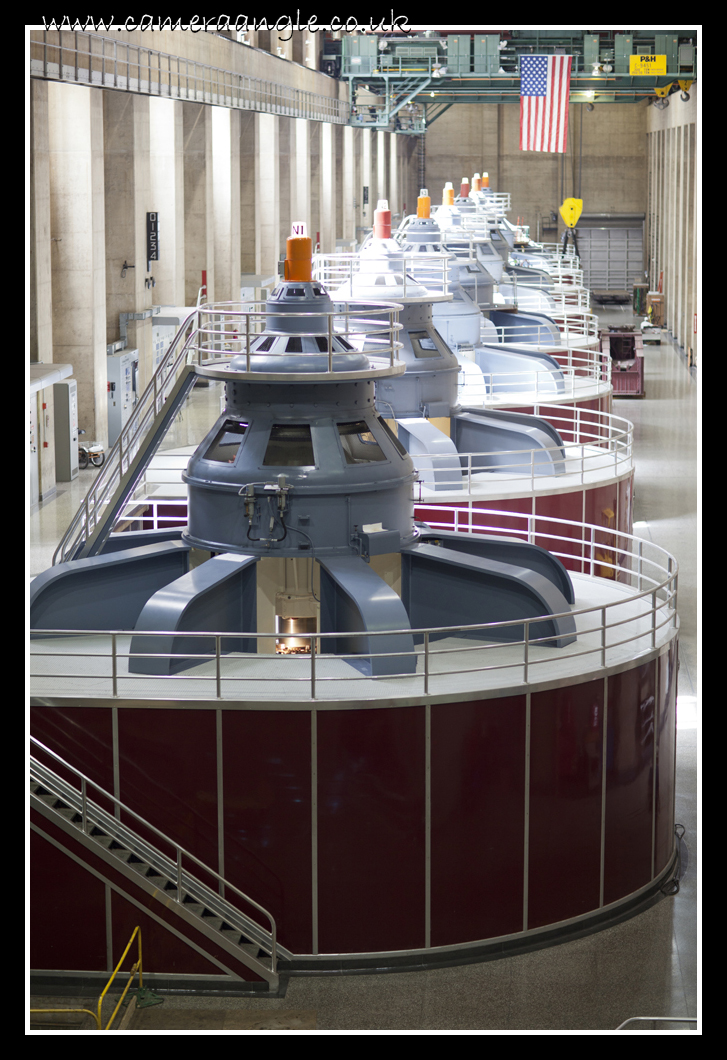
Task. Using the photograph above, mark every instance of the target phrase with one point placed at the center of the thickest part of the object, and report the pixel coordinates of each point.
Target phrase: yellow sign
(639, 65)
(570, 211)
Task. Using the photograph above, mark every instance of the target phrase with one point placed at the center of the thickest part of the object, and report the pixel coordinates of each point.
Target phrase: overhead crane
(415, 79)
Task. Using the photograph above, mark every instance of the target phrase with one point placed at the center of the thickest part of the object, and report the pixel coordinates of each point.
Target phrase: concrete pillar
(348, 188)
(300, 177)
(365, 211)
(41, 285)
(166, 154)
(249, 214)
(41, 292)
(285, 178)
(328, 187)
(311, 49)
(199, 254)
(267, 193)
(394, 189)
(383, 189)
(75, 138)
(226, 202)
(127, 201)
(314, 140)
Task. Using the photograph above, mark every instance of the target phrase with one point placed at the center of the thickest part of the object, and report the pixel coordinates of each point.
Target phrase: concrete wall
(225, 183)
(606, 158)
(673, 220)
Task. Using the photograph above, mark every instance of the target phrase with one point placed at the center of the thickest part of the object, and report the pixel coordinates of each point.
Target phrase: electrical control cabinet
(65, 421)
(122, 373)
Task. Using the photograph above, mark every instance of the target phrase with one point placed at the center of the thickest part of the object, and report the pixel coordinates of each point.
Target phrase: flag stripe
(544, 93)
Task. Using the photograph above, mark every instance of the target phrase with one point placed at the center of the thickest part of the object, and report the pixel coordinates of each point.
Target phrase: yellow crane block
(571, 210)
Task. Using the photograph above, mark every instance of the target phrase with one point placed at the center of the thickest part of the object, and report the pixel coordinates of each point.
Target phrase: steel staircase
(70, 808)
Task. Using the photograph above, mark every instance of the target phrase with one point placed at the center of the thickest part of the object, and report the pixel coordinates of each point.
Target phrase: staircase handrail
(267, 939)
(124, 446)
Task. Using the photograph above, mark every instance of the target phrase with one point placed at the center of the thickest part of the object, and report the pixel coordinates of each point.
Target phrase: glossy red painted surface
(67, 928)
(598, 404)
(626, 504)
(371, 829)
(370, 784)
(566, 542)
(505, 519)
(566, 741)
(478, 798)
(168, 775)
(267, 816)
(629, 774)
(665, 760)
(82, 737)
(601, 511)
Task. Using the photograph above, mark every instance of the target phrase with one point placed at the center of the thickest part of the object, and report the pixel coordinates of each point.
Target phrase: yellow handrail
(86, 1010)
(134, 968)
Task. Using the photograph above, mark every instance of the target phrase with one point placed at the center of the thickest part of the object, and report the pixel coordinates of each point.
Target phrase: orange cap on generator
(448, 194)
(299, 255)
(382, 220)
(485, 180)
(424, 204)
(477, 182)
(464, 188)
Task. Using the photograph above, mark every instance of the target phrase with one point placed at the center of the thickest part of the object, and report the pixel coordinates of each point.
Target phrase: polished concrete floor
(646, 966)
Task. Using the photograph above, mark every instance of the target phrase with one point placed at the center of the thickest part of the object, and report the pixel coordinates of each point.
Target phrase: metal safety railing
(408, 272)
(136, 967)
(67, 1011)
(105, 62)
(655, 1019)
(576, 328)
(131, 436)
(216, 333)
(597, 446)
(601, 447)
(76, 795)
(633, 620)
(229, 330)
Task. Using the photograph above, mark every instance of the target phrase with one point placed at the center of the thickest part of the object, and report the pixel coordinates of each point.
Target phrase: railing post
(653, 619)
(330, 343)
(84, 808)
(218, 651)
(247, 340)
(114, 676)
(525, 651)
(426, 663)
(179, 874)
(641, 547)
(313, 667)
(603, 636)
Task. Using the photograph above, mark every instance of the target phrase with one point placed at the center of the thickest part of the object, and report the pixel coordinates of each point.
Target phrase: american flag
(544, 91)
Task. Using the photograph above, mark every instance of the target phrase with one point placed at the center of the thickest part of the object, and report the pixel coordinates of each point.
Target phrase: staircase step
(70, 815)
(211, 920)
(120, 852)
